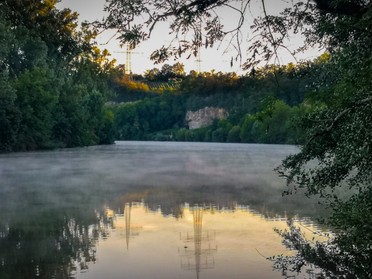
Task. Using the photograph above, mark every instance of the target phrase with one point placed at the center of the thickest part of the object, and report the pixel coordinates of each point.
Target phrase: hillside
(262, 106)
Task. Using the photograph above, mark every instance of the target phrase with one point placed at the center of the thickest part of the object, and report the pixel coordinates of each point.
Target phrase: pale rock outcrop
(204, 117)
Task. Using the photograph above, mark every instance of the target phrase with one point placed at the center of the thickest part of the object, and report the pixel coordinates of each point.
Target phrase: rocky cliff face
(204, 117)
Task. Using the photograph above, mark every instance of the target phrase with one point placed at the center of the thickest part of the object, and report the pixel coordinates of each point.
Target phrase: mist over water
(66, 212)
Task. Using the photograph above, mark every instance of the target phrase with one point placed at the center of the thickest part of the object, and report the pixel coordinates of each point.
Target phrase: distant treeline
(264, 106)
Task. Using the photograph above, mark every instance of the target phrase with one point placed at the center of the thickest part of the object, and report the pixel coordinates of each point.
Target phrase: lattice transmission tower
(128, 59)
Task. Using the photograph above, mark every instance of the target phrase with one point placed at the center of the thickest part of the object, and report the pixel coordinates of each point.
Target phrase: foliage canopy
(53, 82)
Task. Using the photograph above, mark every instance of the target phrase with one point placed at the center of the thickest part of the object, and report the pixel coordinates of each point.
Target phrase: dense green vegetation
(263, 106)
(53, 82)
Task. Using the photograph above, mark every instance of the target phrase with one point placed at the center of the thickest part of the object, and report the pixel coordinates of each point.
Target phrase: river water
(146, 210)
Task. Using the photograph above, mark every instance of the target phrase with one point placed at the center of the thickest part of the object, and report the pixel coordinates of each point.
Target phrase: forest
(263, 106)
(53, 80)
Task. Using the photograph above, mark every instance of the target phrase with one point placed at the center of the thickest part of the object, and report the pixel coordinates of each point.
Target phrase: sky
(217, 59)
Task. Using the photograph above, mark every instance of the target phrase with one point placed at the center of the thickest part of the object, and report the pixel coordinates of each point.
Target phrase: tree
(338, 134)
(53, 81)
(234, 134)
(9, 114)
(36, 100)
(152, 74)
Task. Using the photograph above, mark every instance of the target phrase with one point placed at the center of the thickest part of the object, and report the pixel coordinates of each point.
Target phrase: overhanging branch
(338, 117)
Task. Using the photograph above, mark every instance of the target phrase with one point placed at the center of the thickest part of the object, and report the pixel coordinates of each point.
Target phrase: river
(146, 210)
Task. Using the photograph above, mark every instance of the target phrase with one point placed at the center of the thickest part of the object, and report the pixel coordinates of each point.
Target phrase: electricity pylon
(128, 59)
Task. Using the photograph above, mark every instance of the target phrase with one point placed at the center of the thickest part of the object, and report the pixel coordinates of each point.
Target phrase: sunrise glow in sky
(216, 58)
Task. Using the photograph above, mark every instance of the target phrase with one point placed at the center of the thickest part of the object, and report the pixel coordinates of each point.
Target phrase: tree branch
(338, 117)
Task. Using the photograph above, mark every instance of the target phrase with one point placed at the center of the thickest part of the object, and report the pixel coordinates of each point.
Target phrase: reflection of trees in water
(297, 266)
(53, 243)
(341, 256)
(171, 201)
(42, 239)
(201, 257)
(268, 203)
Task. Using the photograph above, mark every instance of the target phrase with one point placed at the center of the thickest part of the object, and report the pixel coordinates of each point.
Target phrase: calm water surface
(146, 210)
